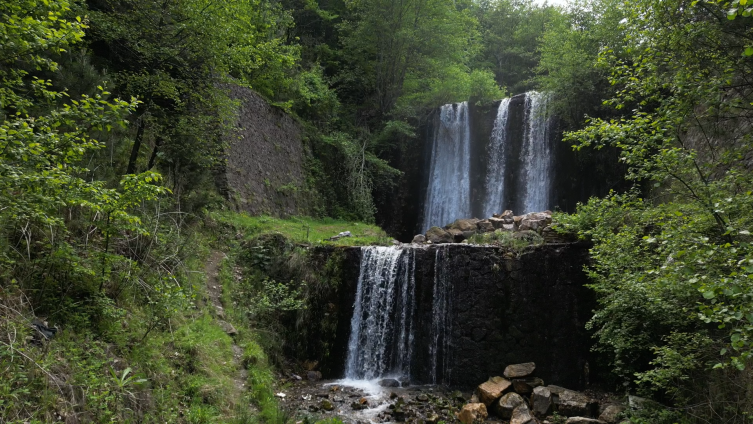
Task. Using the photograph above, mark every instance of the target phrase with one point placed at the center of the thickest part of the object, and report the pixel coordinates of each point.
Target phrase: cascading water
(536, 154)
(441, 324)
(495, 173)
(381, 338)
(449, 193)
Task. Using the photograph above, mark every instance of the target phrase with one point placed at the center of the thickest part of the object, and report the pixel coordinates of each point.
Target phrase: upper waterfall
(495, 172)
(475, 173)
(449, 194)
(536, 154)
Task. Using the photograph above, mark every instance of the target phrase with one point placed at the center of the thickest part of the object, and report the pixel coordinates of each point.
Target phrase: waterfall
(495, 173)
(536, 154)
(449, 193)
(441, 323)
(381, 337)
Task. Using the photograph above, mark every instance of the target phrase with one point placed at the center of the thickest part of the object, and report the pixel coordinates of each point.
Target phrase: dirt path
(214, 290)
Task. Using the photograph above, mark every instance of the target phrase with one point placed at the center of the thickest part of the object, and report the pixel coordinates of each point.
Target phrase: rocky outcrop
(520, 370)
(264, 172)
(520, 227)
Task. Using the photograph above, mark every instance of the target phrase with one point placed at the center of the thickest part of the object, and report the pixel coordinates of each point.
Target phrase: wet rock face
(505, 309)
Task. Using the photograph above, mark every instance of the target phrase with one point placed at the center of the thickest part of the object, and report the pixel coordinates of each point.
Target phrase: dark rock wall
(505, 309)
(264, 173)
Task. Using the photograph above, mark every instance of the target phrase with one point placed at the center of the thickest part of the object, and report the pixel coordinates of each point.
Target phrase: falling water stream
(450, 183)
(449, 194)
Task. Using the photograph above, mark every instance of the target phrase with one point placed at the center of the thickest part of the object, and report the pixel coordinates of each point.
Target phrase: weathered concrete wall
(264, 173)
(505, 309)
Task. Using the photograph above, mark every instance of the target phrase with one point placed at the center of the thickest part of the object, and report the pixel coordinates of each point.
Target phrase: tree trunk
(136, 147)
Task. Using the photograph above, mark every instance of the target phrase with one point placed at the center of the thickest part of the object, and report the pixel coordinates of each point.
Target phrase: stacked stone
(463, 229)
(524, 399)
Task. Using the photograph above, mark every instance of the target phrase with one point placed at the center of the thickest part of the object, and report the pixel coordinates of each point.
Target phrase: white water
(495, 173)
(536, 154)
(449, 193)
(381, 338)
(441, 324)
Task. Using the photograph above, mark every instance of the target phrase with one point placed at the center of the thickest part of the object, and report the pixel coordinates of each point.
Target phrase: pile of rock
(462, 229)
(524, 399)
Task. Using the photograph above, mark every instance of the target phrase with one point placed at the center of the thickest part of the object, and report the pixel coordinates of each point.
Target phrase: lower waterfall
(381, 329)
(384, 319)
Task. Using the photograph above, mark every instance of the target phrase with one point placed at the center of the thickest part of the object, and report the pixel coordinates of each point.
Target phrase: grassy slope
(184, 370)
(305, 230)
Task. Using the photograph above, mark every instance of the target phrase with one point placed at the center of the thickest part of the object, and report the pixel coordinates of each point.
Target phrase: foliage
(673, 271)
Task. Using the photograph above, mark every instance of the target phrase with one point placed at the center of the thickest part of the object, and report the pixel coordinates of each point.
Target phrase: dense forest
(117, 114)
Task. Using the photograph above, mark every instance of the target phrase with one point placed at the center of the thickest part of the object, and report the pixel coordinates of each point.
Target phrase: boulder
(610, 413)
(472, 412)
(520, 370)
(509, 227)
(541, 401)
(457, 235)
(506, 216)
(485, 226)
(437, 235)
(389, 382)
(326, 405)
(525, 386)
(313, 375)
(535, 221)
(574, 404)
(497, 223)
(419, 239)
(228, 328)
(492, 390)
(522, 415)
(464, 224)
(516, 221)
(582, 420)
(507, 404)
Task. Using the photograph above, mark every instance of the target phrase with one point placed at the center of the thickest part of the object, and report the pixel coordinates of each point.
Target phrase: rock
(535, 221)
(341, 235)
(432, 418)
(492, 390)
(574, 404)
(485, 226)
(506, 216)
(458, 396)
(582, 420)
(326, 405)
(438, 235)
(610, 413)
(457, 235)
(636, 402)
(422, 398)
(522, 415)
(357, 406)
(472, 412)
(509, 227)
(419, 239)
(389, 382)
(399, 414)
(313, 375)
(228, 328)
(541, 401)
(525, 386)
(520, 370)
(464, 224)
(497, 223)
(507, 404)
(516, 221)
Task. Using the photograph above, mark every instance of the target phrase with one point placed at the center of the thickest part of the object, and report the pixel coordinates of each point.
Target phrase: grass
(305, 230)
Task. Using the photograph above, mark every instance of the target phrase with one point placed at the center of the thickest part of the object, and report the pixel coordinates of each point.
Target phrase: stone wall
(506, 309)
(264, 173)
